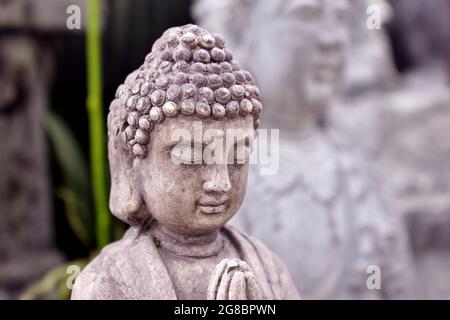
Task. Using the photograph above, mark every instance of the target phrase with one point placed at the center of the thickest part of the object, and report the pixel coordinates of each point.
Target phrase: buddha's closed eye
(186, 153)
(197, 154)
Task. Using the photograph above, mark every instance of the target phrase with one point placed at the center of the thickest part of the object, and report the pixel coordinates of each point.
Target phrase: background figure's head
(180, 133)
(295, 49)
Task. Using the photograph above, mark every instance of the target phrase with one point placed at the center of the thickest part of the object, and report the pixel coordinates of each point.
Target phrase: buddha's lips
(212, 206)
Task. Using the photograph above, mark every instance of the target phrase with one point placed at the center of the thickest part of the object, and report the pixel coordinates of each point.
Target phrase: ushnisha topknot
(189, 71)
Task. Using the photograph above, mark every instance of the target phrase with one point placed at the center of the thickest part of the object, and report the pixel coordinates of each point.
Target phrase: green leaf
(75, 192)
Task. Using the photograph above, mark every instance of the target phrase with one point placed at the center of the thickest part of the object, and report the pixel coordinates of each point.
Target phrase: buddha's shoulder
(105, 276)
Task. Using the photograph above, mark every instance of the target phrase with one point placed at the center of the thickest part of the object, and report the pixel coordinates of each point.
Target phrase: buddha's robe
(132, 268)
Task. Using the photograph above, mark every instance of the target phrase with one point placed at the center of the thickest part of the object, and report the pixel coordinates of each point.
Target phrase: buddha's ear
(125, 199)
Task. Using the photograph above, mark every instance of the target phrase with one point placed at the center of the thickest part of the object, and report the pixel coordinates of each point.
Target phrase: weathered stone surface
(137, 268)
(178, 246)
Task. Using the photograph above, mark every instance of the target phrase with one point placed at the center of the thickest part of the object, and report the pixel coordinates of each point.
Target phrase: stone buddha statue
(177, 182)
(321, 212)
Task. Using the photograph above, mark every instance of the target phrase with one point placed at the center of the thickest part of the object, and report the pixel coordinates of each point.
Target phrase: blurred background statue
(26, 229)
(417, 112)
(370, 71)
(404, 123)
(369, 45)
(322, 212)
(414, 159)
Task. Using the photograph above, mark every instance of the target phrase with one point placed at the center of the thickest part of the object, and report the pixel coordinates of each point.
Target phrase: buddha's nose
(217, 179)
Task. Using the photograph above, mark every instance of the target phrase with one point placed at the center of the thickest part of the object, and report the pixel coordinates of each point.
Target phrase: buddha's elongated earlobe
(125, 200)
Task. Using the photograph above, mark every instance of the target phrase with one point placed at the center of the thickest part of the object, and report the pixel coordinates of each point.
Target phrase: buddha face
(194, 177)
(301, 44)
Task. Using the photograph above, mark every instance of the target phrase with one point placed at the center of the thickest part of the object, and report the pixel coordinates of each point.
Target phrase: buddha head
(180, 132)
